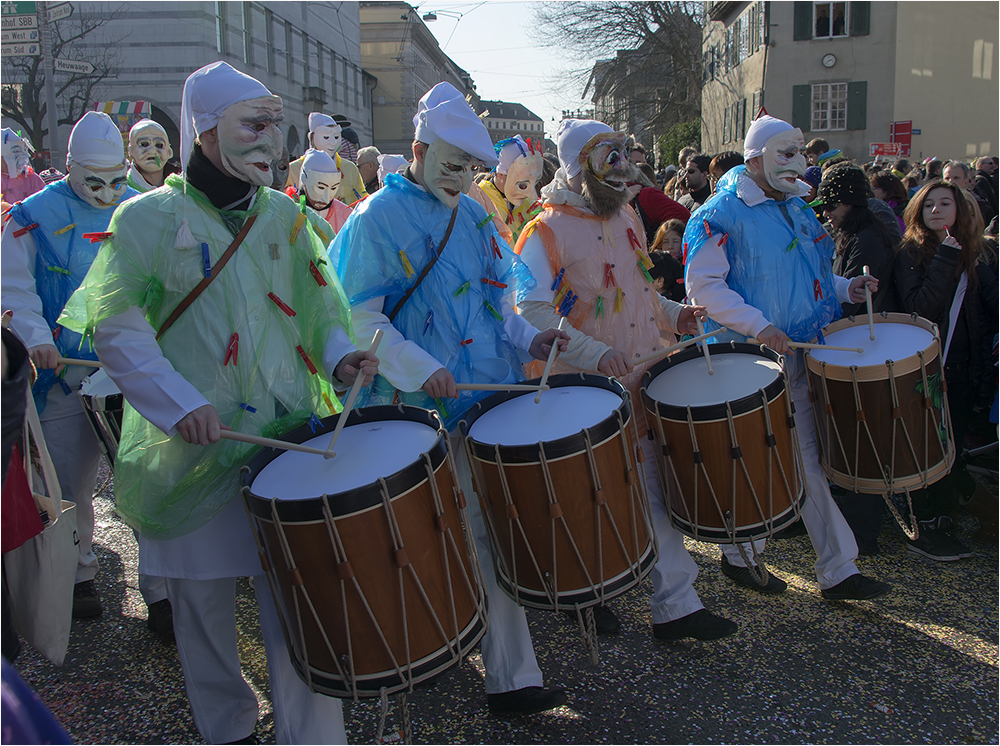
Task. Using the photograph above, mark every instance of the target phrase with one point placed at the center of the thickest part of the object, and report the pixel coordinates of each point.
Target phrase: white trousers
(674, 573)
(508, 655)
(831, 536)
(223, 704)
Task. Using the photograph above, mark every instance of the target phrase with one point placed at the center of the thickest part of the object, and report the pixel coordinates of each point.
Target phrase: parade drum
(727, 453)
(368, 553)
(104, 404)
(882, 416)
(561, 491)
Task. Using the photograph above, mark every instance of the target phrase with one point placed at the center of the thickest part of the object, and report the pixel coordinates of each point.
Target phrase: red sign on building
(901, 132)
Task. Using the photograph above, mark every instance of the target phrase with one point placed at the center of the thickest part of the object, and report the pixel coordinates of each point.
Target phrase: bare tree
(649, 61)
(82, 36)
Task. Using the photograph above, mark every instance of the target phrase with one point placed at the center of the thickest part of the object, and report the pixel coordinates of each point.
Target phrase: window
(333, 76)
(269, 39)
(829, 107)
(220, 27)
(758, 101)
(829, 20)
(247, 34)
(727, 124)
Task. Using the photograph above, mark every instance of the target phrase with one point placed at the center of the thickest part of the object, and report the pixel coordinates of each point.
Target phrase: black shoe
(937, 545)
(160, 619)
(527, 701)
(773, 585)
(857, 588)
(701, 625)
(605, 621)
(86, 602)
(798, 528)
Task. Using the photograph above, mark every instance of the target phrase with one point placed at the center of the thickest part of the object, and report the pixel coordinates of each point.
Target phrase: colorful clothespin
(60, 270)
(642, 268)
(395, 397)
(708, 230)
(306, 360)
(793, 244)
(496, 249)
(442, 407)
(232, 349)
(429, 324)
(206, 260)
(492, 310)
(69, 227)
(558, 279)
(407, 267)
(248, 408)
(820, 237)
(609, 276)
(462, 288)
(619, 300)
(56, 332)
(485, 220)
(465, 342)
(357, 196)
(281, 304)
(634, 240)
(561, 294)
(329, 403)
(21, 231)
(725, 237)
(817, 290)
(567, 304)
(300, 220)
(314, 422)
(302, 202)
(599, 307)
(96, 237)
(494, 283)
(317, 275)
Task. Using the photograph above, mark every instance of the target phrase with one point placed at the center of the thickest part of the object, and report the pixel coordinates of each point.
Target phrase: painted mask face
(784, 161)
(149, 150)
(448, 172)
(100, 187)
(328, 138)
(16, 156)
(607, 156)
(279, 171)
(250, 138)
(320, 187)
(522, 178)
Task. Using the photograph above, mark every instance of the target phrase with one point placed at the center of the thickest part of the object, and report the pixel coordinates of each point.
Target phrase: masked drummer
(326, 134)
(318, 182)
(235, 358)
(760, 261)
(588, 241)
(46, 251)
(457, 325)
(512, 184)
(149, 150)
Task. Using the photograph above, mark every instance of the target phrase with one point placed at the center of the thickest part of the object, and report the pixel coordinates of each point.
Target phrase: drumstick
(498, 387)
(868, 300)
(704, 348)
(84, 363)
(269, 442)
(548, 363)
(812, 346)
(349, 405)
(673, 348)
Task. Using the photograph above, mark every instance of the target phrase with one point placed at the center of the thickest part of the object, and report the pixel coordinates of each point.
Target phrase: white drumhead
(736, 375)
(99, 385)
(364, 453)
(562, 412)
(892, 342)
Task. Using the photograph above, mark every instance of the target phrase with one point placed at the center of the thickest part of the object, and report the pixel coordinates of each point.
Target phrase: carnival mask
(100, 187)
(784, 162)
(522, 178)
(327, 137)
(448, 172)
(607, 159)
(149, 149)
(279, 171)
(320, 187)
(250, 138)
(16, 154)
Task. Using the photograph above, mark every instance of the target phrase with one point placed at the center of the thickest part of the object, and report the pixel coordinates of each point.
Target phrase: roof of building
(507, 110)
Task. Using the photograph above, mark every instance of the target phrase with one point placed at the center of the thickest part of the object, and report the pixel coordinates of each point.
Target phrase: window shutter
(861, 18)
(857, 105)
(802, 107)
(803, 21)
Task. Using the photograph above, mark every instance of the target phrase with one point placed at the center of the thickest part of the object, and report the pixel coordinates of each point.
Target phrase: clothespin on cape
(329, 403)
(21, 231)
(281, 304)
(305, 359)
(317, 275)
(407, 267)
(232, 349)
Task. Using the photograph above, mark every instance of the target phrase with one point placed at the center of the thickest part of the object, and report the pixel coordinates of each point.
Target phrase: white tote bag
(42, 571)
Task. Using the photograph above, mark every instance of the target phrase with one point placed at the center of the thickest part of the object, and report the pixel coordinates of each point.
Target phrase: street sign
(22, 50)
(73, 66)
(914, 132)
(17, 8)
(16, 23)
(12, 37)
(886, 148)
(63, 10)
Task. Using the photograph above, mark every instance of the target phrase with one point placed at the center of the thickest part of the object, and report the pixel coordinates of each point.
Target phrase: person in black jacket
(941, 254)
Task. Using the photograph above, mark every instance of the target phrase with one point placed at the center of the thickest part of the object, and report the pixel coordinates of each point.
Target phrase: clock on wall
(829, 60)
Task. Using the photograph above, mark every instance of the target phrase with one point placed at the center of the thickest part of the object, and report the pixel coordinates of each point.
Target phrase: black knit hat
(846, 185)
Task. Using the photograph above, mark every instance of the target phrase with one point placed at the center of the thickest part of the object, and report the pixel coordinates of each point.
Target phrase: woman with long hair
(670, 238)
(887, 187)
(939, 275)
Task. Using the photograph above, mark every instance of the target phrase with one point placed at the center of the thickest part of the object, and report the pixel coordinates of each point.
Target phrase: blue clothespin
(248, 408)
(314, 422)
(429, 324)
(65, 387)
(206, 259)
(820, 338)
(555, 285)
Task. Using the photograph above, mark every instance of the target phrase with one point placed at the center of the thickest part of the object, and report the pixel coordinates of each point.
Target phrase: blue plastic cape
(780, 258)
(61, 262)
(453, 315)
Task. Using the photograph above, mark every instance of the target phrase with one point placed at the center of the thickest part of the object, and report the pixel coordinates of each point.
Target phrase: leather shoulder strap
(430, 264)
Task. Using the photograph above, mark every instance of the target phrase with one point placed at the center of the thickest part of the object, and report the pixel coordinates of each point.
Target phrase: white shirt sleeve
(405, 364)
(533, 254)
(842, 286)
(127, 346)
(338, 344)
(17, 287)
(672, 310)
(706, 277)
(520, 331)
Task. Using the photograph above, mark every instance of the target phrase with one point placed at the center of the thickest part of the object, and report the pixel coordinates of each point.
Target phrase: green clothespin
(599, 307)
(492, 310)
(485, 220)
(463, 288)
(793, 244)
(649, 277)
(442, 407)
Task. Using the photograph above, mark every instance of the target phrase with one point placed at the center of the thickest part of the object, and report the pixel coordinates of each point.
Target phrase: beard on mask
(605, 201)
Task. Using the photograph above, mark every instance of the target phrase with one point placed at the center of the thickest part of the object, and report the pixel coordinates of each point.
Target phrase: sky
(490, 41)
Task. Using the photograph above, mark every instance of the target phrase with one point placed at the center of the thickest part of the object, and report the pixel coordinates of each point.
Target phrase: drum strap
(956, 309)
(203, 285)
(430, 264)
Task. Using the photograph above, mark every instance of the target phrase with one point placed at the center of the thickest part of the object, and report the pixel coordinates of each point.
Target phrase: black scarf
(223, 191)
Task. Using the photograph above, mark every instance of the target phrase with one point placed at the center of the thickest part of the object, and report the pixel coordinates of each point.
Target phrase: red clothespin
(817, 290)
(305, 357)
(609, 276)
(56, 332)
(496, 249)
(281, 304)
(708, 230)
(494, 283)
(98, 237)
(314, 270)
(725, 237)
(820, 238)
(634, 241)
(232, 349)
(21, 231)
(395, 397)
(466, 342)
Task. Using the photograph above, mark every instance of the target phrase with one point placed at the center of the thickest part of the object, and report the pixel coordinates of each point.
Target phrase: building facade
(505, 119)
(309, 54)
(399, 50)
(855, 74)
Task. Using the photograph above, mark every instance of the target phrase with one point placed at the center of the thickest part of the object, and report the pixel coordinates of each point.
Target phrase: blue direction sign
(18, 7)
